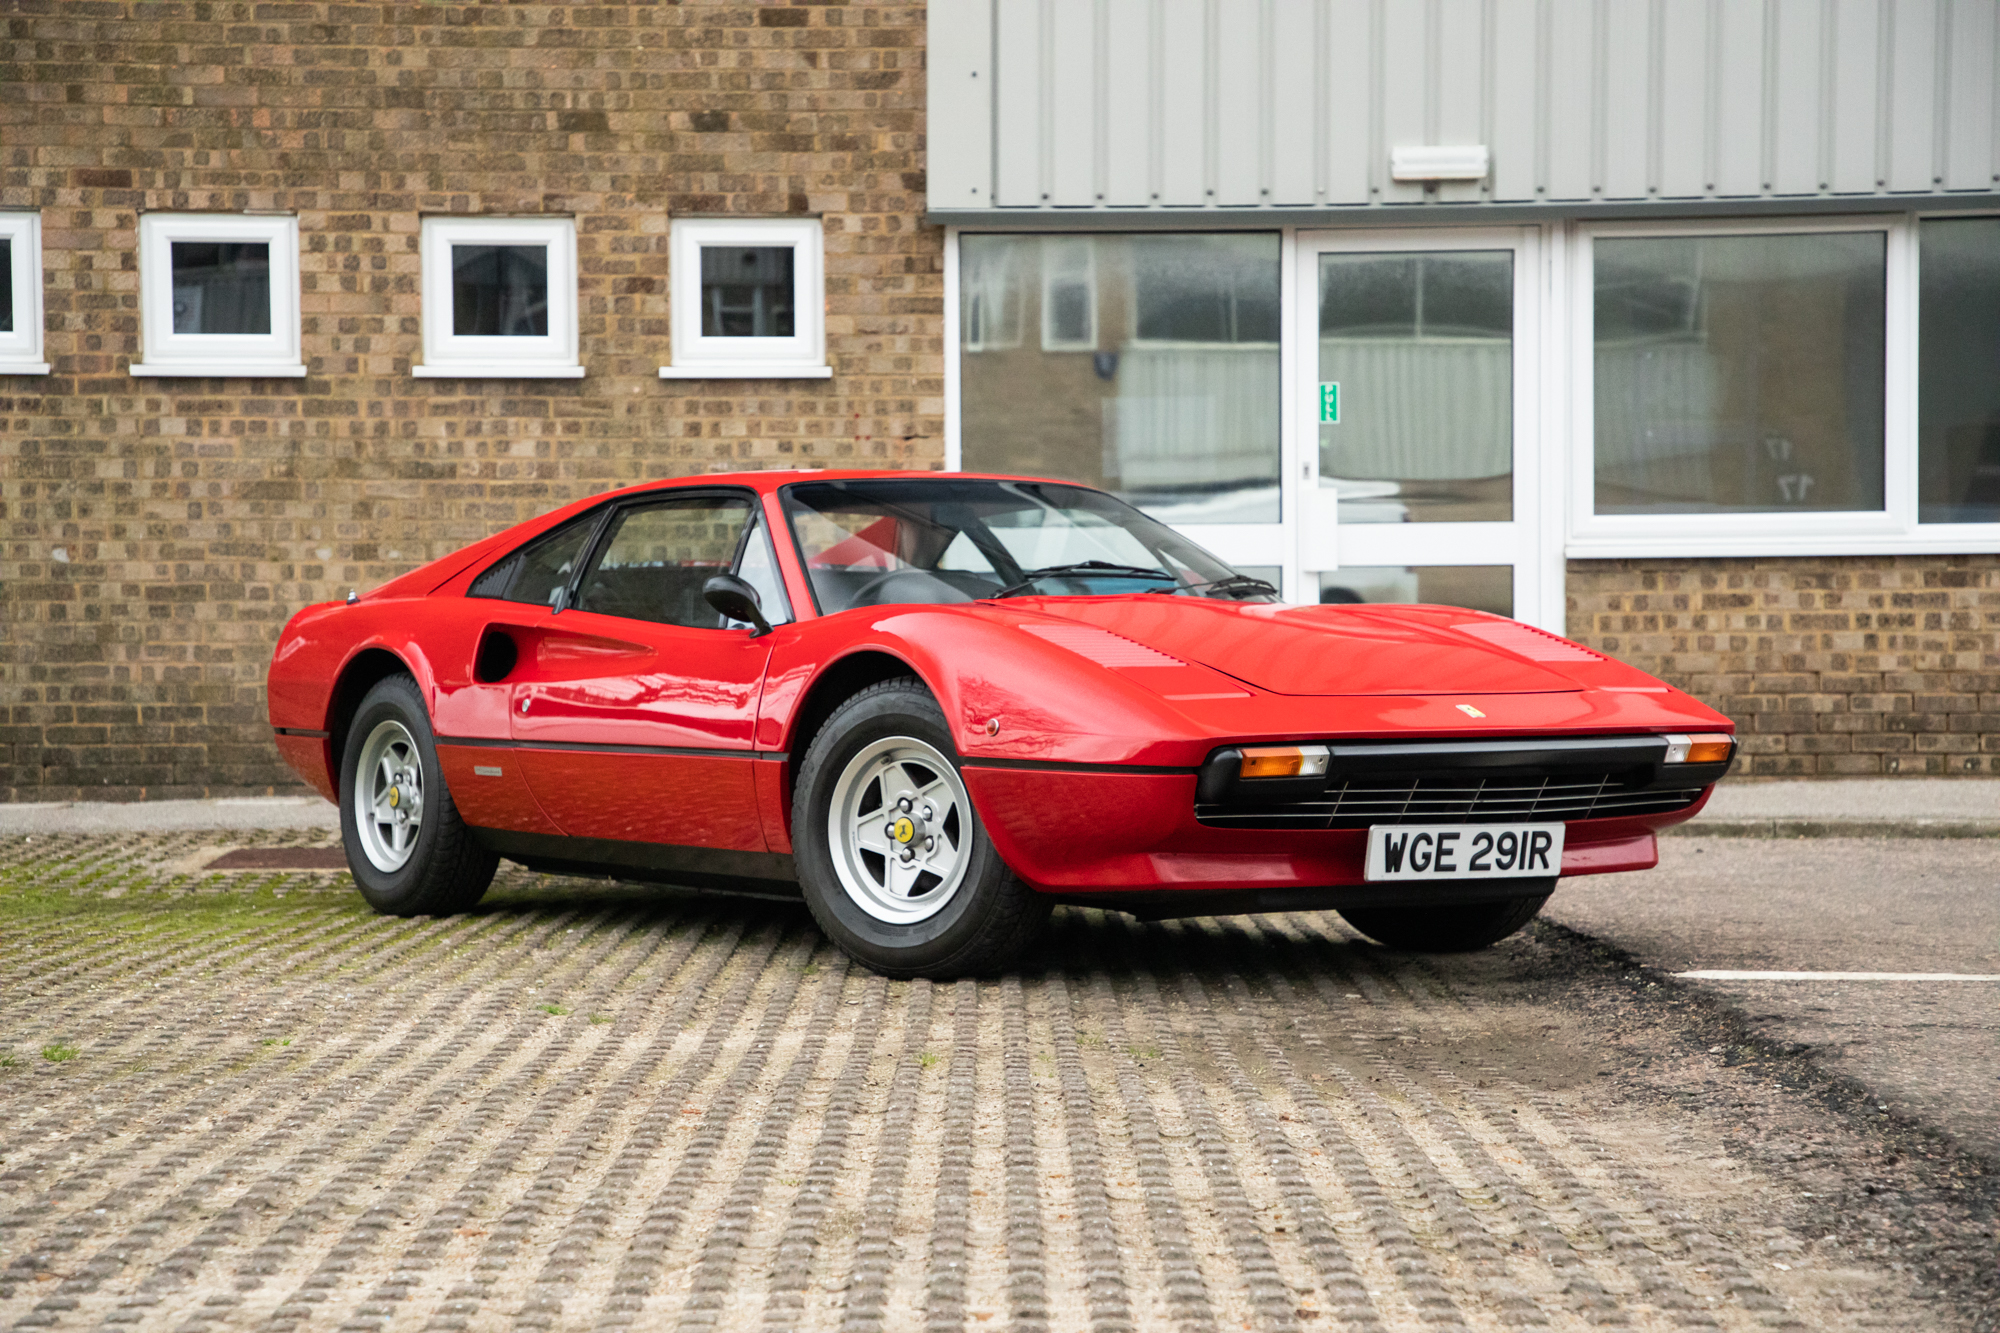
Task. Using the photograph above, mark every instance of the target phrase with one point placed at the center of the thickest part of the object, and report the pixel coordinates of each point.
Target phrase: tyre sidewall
(396, 892)
(891, 948)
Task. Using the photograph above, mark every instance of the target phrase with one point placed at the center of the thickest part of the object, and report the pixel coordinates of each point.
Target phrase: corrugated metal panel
(1291, 104)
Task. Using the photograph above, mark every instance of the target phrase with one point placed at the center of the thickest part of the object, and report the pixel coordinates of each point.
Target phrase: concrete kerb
(253, 812)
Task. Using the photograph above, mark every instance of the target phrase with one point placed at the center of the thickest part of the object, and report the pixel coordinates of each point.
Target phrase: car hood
(1340, 650)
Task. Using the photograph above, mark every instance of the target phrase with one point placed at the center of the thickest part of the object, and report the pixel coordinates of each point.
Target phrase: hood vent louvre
(1102, 646)
(1527, 641)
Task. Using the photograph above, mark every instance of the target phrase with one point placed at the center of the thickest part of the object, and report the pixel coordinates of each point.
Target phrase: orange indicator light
(1283, 761)
(1710, 748)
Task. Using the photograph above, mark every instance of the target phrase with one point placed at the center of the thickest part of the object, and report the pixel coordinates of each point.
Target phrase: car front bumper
(1077, 833)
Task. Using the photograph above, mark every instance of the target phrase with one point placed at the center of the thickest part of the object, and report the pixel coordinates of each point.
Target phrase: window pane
(500, 291)
(746, 291)
(759, 569)
(658, 558)
(1739, 374)
(1481, 587)
(1155, 375)
(222, 287)
(6, 285)
(1958, 358)
(541, 571)
(1422, 349)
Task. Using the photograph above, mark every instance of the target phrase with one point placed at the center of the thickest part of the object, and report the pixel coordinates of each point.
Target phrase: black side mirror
(737, 600)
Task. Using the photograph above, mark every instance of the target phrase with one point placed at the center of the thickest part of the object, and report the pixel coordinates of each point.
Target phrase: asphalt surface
(240, 1101)
(1929, 1049)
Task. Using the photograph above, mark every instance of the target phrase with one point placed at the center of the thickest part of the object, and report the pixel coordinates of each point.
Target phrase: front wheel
(1450, 929)
(410, 852)
(890, 853)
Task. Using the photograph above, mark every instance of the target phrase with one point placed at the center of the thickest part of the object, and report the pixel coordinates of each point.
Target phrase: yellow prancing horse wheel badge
(903, 829)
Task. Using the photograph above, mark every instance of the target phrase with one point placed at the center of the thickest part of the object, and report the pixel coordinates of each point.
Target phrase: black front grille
(1361, 801)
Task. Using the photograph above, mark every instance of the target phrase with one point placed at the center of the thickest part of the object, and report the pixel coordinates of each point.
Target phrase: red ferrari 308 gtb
(937, 704)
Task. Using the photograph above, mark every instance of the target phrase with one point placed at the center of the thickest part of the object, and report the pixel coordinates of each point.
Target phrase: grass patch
(557, 1009)
(600, 1018)
(1144, 1052)
(277, 1041)
(57, 1052)
(8, 1060)
(927, 1060)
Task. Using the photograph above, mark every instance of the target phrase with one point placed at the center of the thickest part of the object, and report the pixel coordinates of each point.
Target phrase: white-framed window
(1069, 294)
(21, 295)
(1744, 387)
(499, 298)
(748, 299)
(219, 295)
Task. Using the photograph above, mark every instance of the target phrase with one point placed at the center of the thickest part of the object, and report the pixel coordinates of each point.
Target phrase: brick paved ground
(242, 1101)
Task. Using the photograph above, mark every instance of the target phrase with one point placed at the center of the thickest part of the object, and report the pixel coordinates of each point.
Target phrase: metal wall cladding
(1140, 104)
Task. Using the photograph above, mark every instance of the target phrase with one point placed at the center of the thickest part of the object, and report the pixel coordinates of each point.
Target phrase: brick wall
(158, 532)
(1851, 666)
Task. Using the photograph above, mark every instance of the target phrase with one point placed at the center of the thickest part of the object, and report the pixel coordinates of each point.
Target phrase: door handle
(524, 704)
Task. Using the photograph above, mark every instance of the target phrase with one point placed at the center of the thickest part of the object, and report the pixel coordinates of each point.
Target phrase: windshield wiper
(1249, 583)
(1030, 577)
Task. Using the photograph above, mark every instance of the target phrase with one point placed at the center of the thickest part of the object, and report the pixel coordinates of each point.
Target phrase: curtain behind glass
(1958, 358)
(1146, 365)
(221, 287)
(1739, 374)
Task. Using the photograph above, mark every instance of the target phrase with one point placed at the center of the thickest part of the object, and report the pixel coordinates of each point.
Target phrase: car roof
(767, 480)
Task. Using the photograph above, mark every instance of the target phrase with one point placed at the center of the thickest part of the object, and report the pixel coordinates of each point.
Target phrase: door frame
(1530, 541)
(1542, 442)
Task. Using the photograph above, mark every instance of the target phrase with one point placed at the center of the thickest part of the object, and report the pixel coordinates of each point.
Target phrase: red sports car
(936, 704)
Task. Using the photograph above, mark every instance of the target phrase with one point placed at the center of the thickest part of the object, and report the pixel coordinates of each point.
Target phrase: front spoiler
(1167, 906)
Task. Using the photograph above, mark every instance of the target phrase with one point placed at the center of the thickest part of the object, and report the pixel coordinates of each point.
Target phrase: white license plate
(1464, 851)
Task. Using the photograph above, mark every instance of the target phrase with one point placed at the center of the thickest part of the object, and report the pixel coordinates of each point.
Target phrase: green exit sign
(1329, 404)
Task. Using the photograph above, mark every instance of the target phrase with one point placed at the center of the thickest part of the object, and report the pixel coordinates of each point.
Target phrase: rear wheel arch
(357, 677)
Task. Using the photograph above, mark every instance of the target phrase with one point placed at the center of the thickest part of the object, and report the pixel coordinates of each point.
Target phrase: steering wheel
(870, 593)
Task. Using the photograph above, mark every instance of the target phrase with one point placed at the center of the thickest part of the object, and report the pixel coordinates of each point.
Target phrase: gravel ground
(239, 1101)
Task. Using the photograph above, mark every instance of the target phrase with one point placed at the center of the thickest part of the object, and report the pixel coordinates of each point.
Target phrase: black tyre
(410, 852)
(1457, 929)
(895, 865)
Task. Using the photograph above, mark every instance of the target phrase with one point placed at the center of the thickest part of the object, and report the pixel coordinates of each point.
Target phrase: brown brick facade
(1850, 666)
(158, 532)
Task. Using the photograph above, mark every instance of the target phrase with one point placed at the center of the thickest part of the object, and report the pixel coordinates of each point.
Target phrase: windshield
(956, 539)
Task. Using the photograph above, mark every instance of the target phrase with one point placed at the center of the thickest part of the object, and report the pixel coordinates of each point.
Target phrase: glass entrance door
(1417, 399)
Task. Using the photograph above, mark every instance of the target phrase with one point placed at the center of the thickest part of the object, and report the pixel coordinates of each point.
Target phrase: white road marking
(1724, 974)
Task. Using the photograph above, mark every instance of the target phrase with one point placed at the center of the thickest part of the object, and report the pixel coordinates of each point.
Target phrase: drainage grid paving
(605, 1107)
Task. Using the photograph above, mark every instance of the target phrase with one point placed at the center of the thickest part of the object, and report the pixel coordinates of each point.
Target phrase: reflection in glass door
(1417, 353)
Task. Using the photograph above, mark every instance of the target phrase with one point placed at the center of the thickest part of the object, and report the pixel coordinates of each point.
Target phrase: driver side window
(657, 556)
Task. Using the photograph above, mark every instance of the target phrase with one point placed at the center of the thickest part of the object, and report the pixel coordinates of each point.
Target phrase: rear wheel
(410, 852)
(1451, 929)
(894, 863)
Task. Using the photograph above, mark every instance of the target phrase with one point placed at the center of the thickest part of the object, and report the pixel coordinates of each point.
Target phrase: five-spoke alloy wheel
(410, 852)
(390, 801)
(890, 852)
(898, 831)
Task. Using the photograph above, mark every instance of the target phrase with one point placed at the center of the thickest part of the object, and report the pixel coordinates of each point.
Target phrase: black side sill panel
(769, 874)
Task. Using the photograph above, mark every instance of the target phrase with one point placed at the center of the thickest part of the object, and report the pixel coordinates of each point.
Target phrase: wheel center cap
(395, 797)
(904, 830)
